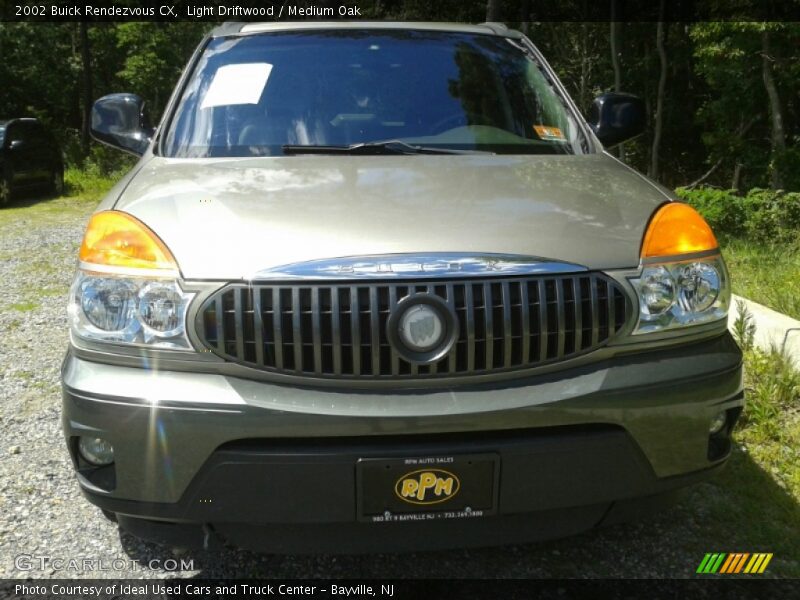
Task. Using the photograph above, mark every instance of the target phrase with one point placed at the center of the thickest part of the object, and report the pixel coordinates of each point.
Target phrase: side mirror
(616, 118)
(119, 121)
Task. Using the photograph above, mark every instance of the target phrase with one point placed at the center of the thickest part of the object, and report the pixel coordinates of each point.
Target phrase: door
(20, 155)
(39, 152)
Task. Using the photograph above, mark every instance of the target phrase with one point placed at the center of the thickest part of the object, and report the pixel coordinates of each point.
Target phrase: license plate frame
(380, 487)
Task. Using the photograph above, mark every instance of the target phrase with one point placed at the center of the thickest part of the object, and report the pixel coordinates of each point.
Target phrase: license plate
(428, 487)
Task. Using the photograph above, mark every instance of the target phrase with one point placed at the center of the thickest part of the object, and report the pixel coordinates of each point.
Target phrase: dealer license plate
(428, 487)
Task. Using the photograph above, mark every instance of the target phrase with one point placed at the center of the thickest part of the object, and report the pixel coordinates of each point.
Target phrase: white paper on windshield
(237, 84)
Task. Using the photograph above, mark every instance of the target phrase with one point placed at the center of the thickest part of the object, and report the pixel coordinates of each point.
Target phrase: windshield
(251, 95)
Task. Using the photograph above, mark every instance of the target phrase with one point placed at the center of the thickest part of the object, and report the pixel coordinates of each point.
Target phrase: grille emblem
(421, 328)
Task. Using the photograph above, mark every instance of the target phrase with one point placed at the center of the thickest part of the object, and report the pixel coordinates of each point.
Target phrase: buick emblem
(422, 328)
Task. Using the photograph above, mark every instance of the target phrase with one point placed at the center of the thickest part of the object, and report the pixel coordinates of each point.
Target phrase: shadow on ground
(30, 197)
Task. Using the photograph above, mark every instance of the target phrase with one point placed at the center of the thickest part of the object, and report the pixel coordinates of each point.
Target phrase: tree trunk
(662, 85)
(583, 88)
(704, 176)
(778, 133)
(86, 63)
(492, 10)
(737, 176)
(614, 35)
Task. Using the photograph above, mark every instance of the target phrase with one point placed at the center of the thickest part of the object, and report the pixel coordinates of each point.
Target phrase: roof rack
(17, 119)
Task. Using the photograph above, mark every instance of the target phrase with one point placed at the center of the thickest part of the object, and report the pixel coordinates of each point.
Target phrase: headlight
(162, 308)
(656, 291)
(677, 294)
(108, 303)
(126, 290)
(130, 310)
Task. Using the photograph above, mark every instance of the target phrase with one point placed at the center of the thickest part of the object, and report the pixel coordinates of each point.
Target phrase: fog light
(718, 422)
(96, 450)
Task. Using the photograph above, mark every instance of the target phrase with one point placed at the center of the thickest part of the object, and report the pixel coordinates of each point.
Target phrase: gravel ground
(42, 513)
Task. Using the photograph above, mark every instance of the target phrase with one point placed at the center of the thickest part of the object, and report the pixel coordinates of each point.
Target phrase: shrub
(762, 215)
(90, 180)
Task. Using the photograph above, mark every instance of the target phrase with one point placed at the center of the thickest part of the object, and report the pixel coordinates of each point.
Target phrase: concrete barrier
(773, 329)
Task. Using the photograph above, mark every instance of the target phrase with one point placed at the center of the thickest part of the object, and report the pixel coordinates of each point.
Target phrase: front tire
(5, 190)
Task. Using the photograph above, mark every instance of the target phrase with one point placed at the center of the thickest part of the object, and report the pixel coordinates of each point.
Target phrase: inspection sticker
(549, 133)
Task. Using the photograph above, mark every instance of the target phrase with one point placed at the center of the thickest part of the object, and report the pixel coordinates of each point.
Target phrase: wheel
(5, 191)
(57, 182)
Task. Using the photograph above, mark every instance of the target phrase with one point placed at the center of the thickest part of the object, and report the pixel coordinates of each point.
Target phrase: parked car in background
(379, 286)
(30, 159)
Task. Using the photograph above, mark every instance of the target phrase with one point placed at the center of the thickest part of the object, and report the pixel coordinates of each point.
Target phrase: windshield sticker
(549, 133)
(237, 84)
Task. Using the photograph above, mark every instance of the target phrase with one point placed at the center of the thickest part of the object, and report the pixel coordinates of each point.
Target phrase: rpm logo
(427, 486)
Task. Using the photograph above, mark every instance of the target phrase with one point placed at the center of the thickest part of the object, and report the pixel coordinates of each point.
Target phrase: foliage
(772, 384)
(717, 117)
(92, 179)
(760, 237)
(765, 273)
(735, 114)
(744, 328)
(764, 470)
(763, 216)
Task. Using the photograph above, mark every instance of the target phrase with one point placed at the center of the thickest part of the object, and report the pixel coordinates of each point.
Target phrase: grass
(90, 181)
(83, 192)
(765, 273)
(24, 306)
(764, 472)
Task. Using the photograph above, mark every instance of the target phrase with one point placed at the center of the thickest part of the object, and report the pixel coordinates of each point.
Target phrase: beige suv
(379, 286)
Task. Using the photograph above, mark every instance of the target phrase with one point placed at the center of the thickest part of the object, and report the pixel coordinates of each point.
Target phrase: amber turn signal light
(114, 238)
(677, 229)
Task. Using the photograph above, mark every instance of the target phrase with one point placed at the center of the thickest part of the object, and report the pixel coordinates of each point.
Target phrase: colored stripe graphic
(765, 563)
(734, 563)
(717, 563)
(755, 562)
(711, 563)
(740, 564)
(727, 564)
(703, 563)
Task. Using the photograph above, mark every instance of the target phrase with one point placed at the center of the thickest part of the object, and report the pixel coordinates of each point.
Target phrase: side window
(23, 132)
(34, 134)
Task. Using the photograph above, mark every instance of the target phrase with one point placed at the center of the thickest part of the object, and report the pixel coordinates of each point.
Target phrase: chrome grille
(338, 330)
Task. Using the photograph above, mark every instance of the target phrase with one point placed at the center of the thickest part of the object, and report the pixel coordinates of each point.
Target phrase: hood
(230, 218)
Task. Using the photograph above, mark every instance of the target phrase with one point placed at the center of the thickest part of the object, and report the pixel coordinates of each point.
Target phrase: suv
(29, 158)
(378, 286)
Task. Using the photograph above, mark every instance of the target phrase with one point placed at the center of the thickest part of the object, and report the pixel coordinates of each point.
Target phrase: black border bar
(290, 10)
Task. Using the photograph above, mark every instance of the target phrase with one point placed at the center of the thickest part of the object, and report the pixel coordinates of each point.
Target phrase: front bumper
(205, 448)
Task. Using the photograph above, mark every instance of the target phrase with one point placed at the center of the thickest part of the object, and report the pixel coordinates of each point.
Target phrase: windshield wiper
(375, 148)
